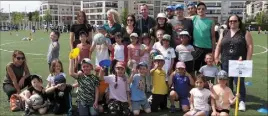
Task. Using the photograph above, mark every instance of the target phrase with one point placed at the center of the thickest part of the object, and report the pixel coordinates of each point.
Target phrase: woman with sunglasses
(203, 36)
(233, 43)
(130, 28)
(80, 25)
(17, 74)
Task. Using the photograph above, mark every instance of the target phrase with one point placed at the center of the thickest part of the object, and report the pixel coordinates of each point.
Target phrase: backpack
(16, 103)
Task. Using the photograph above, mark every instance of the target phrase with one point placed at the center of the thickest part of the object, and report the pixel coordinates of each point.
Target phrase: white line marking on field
(266, 50)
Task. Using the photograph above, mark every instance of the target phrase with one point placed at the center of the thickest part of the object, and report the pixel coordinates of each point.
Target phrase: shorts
(223, 110)
(189, 66)
(118, 108)
(142, 103)
(184, 101)
(193, 112)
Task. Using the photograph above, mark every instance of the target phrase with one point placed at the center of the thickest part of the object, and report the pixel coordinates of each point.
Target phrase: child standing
(84, 49)
(160, 88)
(62, 96)
(137, 89)
(88, 92)
(159, 35)
(134, 49)
(184, 51)
(209, 70)
(119, 51)
(224, 97)
(199, 98)
(181, 81)
(119, 98)
(55, 70)
(54, 47)
(168, 53)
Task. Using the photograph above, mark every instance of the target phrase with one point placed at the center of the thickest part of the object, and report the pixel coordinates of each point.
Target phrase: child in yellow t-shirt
(160, 88)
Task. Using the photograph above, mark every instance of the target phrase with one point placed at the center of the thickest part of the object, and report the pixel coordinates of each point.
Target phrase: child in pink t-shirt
(134, 49)
(84, 49)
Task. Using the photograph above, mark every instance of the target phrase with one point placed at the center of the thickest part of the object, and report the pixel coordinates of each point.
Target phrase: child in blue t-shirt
(181, 81)
(137, 88)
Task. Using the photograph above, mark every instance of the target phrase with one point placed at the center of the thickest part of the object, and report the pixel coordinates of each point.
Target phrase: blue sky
(20, 6)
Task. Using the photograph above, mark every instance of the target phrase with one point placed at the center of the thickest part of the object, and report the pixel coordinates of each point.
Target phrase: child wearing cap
(180, 79)
(62, 96)
(184, 51)
(119, 98)
(88, 92)
(168, 53)
(119, 50)
(137, 89)
(159, 85)
(134, 49)
(209, 70)
(36, 88)
(224, 97)
(84, 50)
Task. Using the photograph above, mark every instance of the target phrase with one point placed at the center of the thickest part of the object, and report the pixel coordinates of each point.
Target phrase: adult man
(191, 9)
(170, 10)
(145, 23)
(180, 23)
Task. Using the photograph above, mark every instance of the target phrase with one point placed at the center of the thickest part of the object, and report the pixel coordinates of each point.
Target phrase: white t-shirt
(102, 51)
(119, 52)
(184, 52)
(209, 71)
(51, 78)
(157, 45)
(120, 93)
(201, 98)
(168, 54)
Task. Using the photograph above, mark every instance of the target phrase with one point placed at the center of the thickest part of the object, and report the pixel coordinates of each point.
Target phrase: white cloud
(20, 6)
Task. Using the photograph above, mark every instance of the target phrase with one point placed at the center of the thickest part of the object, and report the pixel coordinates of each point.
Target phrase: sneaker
(150, 99)
(242, 106)
(172, 108)
(27, 112)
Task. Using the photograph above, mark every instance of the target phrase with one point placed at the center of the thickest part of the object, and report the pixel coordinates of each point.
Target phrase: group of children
(124, 90)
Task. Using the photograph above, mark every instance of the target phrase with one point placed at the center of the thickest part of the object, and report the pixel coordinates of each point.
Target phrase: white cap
(159, 57)
(184, 33)
(86, 60)
(133, 35)
(161, 15)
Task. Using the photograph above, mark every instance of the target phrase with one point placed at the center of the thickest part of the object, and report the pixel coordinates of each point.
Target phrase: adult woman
(203, 36)
(233, 43)
(81, 25)
(113, 24)
(17, 74)
(161, 24)
(130, 28)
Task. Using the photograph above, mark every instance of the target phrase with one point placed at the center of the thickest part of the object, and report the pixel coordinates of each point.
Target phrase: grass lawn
(36, 51)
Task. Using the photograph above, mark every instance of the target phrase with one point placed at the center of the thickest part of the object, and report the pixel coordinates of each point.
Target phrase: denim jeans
(233, 80)
(86, 110)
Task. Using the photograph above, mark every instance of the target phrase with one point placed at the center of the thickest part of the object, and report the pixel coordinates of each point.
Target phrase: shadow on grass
(258, 102)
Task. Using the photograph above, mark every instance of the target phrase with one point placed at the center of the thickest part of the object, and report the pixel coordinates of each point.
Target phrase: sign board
(240, 68)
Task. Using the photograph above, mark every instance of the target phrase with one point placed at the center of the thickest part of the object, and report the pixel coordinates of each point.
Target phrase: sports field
(36, 50)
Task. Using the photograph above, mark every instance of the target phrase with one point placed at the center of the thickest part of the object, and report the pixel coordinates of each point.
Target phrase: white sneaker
(242, 106)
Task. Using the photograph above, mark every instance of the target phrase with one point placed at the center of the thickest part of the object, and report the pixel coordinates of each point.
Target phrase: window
(157, 3)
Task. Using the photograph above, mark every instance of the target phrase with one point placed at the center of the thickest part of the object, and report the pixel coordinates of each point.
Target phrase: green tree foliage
(35, 16)
(17, 17)
(47, 17)
(124, 16)
(262, 18)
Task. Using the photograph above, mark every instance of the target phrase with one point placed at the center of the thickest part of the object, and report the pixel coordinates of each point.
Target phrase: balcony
(235, 13)
(113, 6)
(237, 6)
(215, 13)
(98, 5)
(213, 6)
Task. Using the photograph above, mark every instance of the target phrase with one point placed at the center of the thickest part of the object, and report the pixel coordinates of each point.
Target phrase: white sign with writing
(240, 68)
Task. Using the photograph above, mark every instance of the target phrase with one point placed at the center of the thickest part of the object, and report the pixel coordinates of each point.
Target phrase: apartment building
(256, 6)
(62, 11)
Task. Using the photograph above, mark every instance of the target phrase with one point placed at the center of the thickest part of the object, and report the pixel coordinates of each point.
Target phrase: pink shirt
(134, 52)
(84, 52)
(120, 93)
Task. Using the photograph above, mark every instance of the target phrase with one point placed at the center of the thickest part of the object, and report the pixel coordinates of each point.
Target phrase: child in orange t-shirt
(102, 92)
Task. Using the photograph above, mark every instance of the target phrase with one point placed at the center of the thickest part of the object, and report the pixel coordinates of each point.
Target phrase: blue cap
(179, 6)
(142, 64)
(170, 8)
(100, 27)
(191, 4)
(59, 79)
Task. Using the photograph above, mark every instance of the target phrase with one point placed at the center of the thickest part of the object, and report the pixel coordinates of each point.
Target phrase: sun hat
(161, 15)
(166, 37)
(159, 57)
(180, 65)
(133, 35)
(222, 75)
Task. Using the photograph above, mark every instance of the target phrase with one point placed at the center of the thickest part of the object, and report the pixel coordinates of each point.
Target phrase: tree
(35, 16)
(124, 16)
(30, 15)
(262, 18)
(17, 17)
(47, 17)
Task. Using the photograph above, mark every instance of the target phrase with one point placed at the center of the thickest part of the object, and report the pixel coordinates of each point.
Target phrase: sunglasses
(20, 58)
(232, 21)
(129, 20)
(201, 9)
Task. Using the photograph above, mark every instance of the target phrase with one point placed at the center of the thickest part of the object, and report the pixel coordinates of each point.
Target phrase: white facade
(257, 6)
